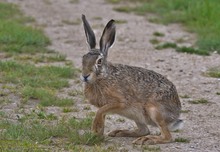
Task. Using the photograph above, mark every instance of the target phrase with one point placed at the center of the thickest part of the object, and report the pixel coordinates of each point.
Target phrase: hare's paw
(144, 140)
(126, 133)
(98, 127)
(118, 133)
(151, 140)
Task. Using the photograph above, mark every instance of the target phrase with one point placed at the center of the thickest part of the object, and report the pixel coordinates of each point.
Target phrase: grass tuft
(67, 110)
(151, 148)
(166, 45)
(80, 124)
(124, 9)
(182, 140)
(185, 96)
(199, 101)
(184, 49)
(214, 72)
(158, 34)
(191, 50)
(154, 41)
(114, 1)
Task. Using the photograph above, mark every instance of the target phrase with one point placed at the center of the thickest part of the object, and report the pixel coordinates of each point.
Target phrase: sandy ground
(61, 22)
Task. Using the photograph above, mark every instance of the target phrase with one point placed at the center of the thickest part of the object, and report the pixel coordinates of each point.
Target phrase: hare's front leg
(99, 121)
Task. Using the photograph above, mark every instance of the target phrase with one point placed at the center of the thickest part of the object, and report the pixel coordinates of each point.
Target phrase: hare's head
(95, 61)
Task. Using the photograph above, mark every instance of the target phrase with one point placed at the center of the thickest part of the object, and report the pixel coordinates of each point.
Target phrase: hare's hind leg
(157, 118)
(136, 113)
(140, 131)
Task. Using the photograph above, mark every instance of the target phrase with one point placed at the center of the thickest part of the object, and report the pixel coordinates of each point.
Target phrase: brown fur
(139, 94)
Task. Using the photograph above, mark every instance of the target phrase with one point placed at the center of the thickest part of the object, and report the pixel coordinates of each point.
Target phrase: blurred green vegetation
(199, 16)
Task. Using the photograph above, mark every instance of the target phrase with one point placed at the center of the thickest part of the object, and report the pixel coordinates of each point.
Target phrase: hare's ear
(90, 36)
(108, 37)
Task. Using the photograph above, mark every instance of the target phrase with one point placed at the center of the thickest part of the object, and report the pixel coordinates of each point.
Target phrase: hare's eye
(99, 61)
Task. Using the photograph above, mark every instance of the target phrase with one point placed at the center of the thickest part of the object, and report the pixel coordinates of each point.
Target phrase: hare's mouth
(86, 78)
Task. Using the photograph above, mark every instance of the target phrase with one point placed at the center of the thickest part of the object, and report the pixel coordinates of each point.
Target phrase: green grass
(114, 1)
(182, 49)
(122, 9)
(120, 1)
(151, 148)
(10, 12)
(42, 118)
(158, 34)
(214, 72)
(91, 114)
(166, 45)
(75, 93)
(121, 21)
(16, 38)
(40, 58)
(37, 131)
(2, 114)
(67, 110)
(19, 146)
(182, 140)
(38, 113)
(199, 101)
(43, 115)
(185, 96)
(201, 17)
(81, 124)
(40, 83)
(154, 41)
(45, 96)
(30, 75)
(191, 50)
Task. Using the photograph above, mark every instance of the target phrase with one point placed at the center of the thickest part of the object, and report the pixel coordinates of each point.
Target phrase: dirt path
(61, 22)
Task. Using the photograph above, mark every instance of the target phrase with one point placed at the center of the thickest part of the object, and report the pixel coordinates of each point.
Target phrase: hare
(141, 95)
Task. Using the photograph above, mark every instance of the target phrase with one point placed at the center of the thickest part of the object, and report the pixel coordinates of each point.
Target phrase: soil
(61, 21)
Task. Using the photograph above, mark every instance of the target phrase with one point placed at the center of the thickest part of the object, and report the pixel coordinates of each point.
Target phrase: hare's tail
(177, 125)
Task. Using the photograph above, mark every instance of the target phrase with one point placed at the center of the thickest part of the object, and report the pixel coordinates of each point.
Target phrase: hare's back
(139, 77)
(143, 83)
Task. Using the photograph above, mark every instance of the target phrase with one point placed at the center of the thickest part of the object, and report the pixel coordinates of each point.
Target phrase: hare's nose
(85, 78)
